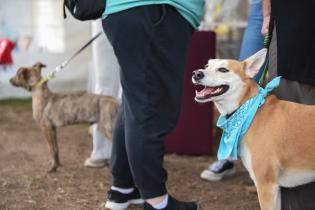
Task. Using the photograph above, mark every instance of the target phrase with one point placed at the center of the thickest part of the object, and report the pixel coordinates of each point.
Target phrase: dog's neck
(230, 104)
(40, 91)
(39, 100)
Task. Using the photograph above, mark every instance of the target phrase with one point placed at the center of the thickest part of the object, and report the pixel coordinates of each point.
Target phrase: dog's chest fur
(246, 158)
(39, 101)
(287, 177)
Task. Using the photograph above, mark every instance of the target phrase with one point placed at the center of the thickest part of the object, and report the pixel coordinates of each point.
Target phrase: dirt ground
(24, 183)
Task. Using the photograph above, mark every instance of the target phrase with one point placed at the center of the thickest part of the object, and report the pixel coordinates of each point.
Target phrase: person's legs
(105, 66)
(151, 53)
(301, 197)
(218, 170)
(123, 191)
(105, 74)
(154, 99)
(253, 40)
(119, 164)
(102, 146)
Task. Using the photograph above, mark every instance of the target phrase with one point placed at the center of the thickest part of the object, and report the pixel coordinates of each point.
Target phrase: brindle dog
(52, 110)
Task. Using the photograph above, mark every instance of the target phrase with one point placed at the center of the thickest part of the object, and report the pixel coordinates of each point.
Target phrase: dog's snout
(198, 75)
(12, 81)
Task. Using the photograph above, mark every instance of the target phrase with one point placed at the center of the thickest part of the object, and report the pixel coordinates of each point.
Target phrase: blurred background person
(104, 80)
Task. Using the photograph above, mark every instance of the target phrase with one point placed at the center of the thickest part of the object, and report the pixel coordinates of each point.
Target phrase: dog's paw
(52, 169)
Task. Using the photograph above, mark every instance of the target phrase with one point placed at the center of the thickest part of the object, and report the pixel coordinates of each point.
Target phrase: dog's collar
(236, 125)
(42, 81)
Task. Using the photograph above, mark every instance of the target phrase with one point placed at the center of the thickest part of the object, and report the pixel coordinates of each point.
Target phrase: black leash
(58, 68)
(52, 74)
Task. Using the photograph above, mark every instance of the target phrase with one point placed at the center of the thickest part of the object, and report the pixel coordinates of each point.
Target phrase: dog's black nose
(198, 75)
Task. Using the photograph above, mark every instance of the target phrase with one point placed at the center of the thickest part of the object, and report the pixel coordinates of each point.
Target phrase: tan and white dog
(279, 146)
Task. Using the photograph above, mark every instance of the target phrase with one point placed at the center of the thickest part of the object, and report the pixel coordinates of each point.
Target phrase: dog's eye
(223, 70)
(206, 66)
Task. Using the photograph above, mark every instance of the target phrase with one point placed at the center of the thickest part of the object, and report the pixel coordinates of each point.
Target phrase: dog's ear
(255, 62)
(38, 66)
(25, 74)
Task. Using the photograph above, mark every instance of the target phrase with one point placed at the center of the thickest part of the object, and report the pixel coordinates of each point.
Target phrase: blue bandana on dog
(235, 127)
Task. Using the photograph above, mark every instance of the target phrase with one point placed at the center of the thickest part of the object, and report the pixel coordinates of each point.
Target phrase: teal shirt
(192, 10)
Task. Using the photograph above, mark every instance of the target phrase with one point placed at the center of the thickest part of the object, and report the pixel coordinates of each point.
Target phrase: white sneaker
(95, 163)
(218, 170)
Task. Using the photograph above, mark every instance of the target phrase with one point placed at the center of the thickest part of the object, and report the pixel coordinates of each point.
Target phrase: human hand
(265, 25)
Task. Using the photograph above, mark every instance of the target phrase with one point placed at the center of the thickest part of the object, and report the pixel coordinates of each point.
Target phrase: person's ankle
(158, 202)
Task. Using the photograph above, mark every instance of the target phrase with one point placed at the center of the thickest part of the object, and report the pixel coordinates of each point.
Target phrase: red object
(193, 134)
(6, 47)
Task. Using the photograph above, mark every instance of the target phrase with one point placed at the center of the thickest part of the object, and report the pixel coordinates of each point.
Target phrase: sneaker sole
(94, 164)
(121, 206)
(210, 176)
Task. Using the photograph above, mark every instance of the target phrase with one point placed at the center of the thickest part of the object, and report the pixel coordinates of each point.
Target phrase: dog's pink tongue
(206, 91)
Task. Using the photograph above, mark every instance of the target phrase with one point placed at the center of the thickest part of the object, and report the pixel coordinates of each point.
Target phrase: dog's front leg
(269, 196)
(107, 118)
(50, 134)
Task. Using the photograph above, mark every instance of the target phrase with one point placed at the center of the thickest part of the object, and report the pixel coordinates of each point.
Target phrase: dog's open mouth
(209, 92)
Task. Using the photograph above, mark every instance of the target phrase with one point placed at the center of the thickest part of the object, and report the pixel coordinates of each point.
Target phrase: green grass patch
(17, 102)
(81, 125)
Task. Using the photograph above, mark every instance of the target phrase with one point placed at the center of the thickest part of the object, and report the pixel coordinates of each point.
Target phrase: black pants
(150, 43)
(300, 197)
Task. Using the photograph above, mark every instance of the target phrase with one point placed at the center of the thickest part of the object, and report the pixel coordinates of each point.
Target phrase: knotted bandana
(236, 126)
